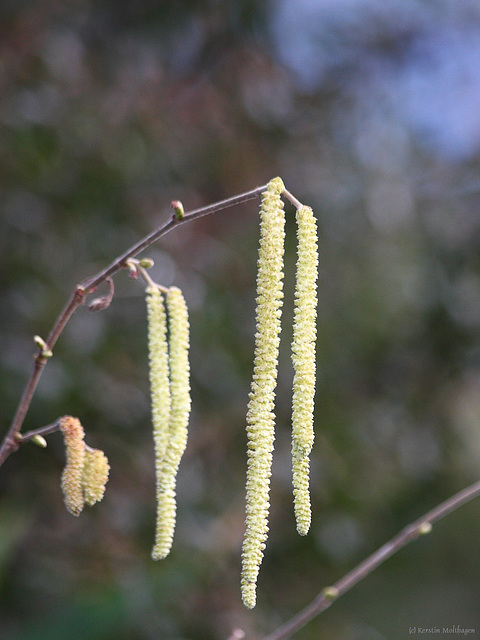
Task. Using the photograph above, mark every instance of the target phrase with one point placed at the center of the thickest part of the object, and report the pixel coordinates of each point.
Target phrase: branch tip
(178, 210)
(80, 293)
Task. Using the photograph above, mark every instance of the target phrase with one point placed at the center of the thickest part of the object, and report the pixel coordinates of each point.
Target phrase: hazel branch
(119, 263)
(329, 595)
(12, 441)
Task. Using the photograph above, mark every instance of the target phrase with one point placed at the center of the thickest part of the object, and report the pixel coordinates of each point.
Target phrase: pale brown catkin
(71, 483)
(94, 476)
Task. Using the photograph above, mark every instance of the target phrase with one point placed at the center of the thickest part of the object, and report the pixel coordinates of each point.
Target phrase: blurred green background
(369, 110)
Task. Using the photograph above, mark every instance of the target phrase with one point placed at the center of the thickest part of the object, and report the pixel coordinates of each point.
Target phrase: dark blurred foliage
(369, 110)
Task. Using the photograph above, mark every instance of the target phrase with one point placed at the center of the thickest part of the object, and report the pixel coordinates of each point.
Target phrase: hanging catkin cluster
(260, 415)
(170, 397)
(86, 471)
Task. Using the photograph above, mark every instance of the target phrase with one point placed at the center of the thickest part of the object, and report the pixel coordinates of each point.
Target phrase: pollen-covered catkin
(159, 389)
(73, 435)
(179, 366)
(158, 372)
(303, 357)
(260, 415)
(94, 476)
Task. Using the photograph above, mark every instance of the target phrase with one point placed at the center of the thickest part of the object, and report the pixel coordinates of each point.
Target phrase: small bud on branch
(42, 345)
(178, 210)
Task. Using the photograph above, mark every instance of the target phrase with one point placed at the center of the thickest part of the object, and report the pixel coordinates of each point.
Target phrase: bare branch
(329, 595)
(12, 441)
(91, 284)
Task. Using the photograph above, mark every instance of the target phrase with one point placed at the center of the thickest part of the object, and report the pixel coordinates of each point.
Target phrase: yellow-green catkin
(71, 483)
(303, 357)
(94, 476)
(158, 372)
(260, 415)
(179, 366)
(159, 392)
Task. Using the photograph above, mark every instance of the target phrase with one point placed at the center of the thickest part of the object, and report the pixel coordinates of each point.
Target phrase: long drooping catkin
(178, 422)
(260, 415)
(303, 357)
(158, 371)
(73, 435)
(159, 393)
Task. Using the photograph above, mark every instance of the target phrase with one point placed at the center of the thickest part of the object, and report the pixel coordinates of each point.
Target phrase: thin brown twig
(42, 431)
(117, 264)
(12, 441)
(329, 595)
